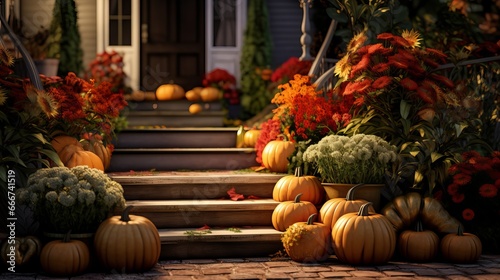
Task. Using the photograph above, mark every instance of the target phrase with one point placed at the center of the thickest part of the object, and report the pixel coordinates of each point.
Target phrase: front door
(172, 43)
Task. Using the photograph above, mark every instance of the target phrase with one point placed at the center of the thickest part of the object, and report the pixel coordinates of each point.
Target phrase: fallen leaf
(235, 196)
(253, 197)
(205, 227)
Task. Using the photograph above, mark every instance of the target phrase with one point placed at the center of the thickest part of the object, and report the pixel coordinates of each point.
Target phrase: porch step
(176, 118)
(172, 105)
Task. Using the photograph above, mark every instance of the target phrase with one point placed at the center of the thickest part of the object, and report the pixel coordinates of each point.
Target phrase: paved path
(487, 268)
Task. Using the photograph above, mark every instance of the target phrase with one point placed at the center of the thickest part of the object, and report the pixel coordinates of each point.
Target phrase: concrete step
(200, 212)
(225, 242)
(139, 159)
(177, 137)
(175, 118)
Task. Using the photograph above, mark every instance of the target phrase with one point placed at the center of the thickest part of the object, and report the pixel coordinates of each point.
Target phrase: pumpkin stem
(125, 214)
(66, 237)
(297, 198)
(298, 171)
(350, 192)
(363, 210)
(311, 218)
(460, 230)
(419, 227)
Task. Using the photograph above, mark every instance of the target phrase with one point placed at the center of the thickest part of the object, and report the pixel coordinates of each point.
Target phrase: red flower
(458, 197)
(408, 84)
(382, 82)
(468, 214)
(461, 179)
(488, 190)
(452, 189)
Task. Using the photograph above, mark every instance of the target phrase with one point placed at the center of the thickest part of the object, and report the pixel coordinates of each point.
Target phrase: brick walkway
(488, 267)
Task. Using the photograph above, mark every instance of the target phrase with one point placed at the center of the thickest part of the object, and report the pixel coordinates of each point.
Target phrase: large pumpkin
(127, 243)
(289, 186)
(461, 247)
(21, 251)
(334, 208)
(363, 238)
(275, 155)
(307, 241)
(169, 92)
(289, 212)
(65, 257)
(98, 148)
(418, 245)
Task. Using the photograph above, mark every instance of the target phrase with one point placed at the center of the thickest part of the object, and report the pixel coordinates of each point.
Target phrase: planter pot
(48, 66)
(368, 192)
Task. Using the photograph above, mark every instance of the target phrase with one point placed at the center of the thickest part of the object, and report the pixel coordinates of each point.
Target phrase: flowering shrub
(108, 67)
(221, 79)
(289, 69)
(270, 130)
(473, 195)
(76, 199)
(350, 160)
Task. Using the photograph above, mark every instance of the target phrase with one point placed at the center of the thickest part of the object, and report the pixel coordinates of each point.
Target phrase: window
(224, 23)
(120, 22)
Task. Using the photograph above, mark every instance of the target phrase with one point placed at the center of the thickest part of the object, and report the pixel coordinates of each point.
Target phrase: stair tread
(265, 204)
(139, 129)
(183, 150)
(220, 234)
(175, 113)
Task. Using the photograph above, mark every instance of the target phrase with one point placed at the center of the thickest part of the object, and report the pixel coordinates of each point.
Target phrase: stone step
(175, 118)
(172, 105)
(178, 185)
(200, 212)
(225, 242)
(140, 159)
(177, 137)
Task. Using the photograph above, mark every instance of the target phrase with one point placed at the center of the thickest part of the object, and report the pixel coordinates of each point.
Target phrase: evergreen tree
(64, 30)
(256, 55)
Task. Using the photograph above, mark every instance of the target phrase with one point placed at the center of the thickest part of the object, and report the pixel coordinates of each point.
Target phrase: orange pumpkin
(290, 186)
(289, 212)
(169, 92)
(193, 94)
(65, 257)
(195, 109)
(334, 208)
(98, 148)
(73, 155)
(61, 141)
(418, 245)
(209, 94)
(461, 247)
(307, 241)
(250, 138)
(275, 155)
(363, 238)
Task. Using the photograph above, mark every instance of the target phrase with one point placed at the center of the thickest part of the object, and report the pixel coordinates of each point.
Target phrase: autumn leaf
(235, 196)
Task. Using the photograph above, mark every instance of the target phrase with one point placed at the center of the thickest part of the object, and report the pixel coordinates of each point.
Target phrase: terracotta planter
(368, 192)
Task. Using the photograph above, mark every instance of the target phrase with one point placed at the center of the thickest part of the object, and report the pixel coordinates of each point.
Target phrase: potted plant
(341, 161)
(76, 199)
(42, 47)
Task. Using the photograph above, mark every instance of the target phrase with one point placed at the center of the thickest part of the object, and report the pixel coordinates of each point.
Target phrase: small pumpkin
(250, 138)
(21, 250)
(209, 94)
(98, 148)
(307, 241)
(461, 247)
(275, 155)
(418, 245)
(61, 141)
(65, 257)
(195, 109)
(363, 238)
(127, 243)
(169, 92)
(72, 156)
(289, 212)
(289, 186)
(193, 94)
(334, 208)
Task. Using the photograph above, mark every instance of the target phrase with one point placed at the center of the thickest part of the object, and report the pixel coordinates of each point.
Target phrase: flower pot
(48, 66)
(368, 192)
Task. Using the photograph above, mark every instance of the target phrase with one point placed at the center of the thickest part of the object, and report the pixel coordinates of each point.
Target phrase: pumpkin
(193, 94)
(307, 241)
(403, 210)
(289, 212)
(98, 148)
(250, 138)
(209, 94)
(169, 92)
(461, 247)
(65, 257)
(275, 155)
(418, 245)
(127, 243)
(72, 156)
(61, 141)
(363, 238)
(289, 186)
(334, 208)
(195, 109)
(20, 250)
(435, 216)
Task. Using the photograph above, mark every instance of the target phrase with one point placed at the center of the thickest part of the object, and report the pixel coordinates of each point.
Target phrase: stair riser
(179, 161)
(196, 219)
(219, 250)
(176, 139)
(199, 120)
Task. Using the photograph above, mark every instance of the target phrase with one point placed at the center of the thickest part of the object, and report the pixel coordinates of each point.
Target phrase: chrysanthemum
(461, 179)
(382, 82)
(468, 214)
(408, 84)
(412, 37)
(488, 190)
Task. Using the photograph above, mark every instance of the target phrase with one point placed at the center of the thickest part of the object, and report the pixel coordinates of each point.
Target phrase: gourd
(418, 245)
(461, 247)
(209, 94)
(289, 212)
(169, 92)
(307, 241)
(25, 250)
(127, 243)
(275, 155)
(195, 109)
(250, 137)
(289, 186)
(98, 148)
(434, 216)
(363, 238)
(193, 94)
(334, 208)
(65, 257)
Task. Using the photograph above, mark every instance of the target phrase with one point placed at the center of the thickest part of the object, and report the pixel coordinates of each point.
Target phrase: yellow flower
(413, 37)
(6, 57)
(3, 97)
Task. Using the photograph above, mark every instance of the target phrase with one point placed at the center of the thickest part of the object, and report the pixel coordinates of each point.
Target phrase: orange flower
(382, 82)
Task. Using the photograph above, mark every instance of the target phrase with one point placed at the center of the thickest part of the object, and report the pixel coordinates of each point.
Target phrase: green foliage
(256, 55)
